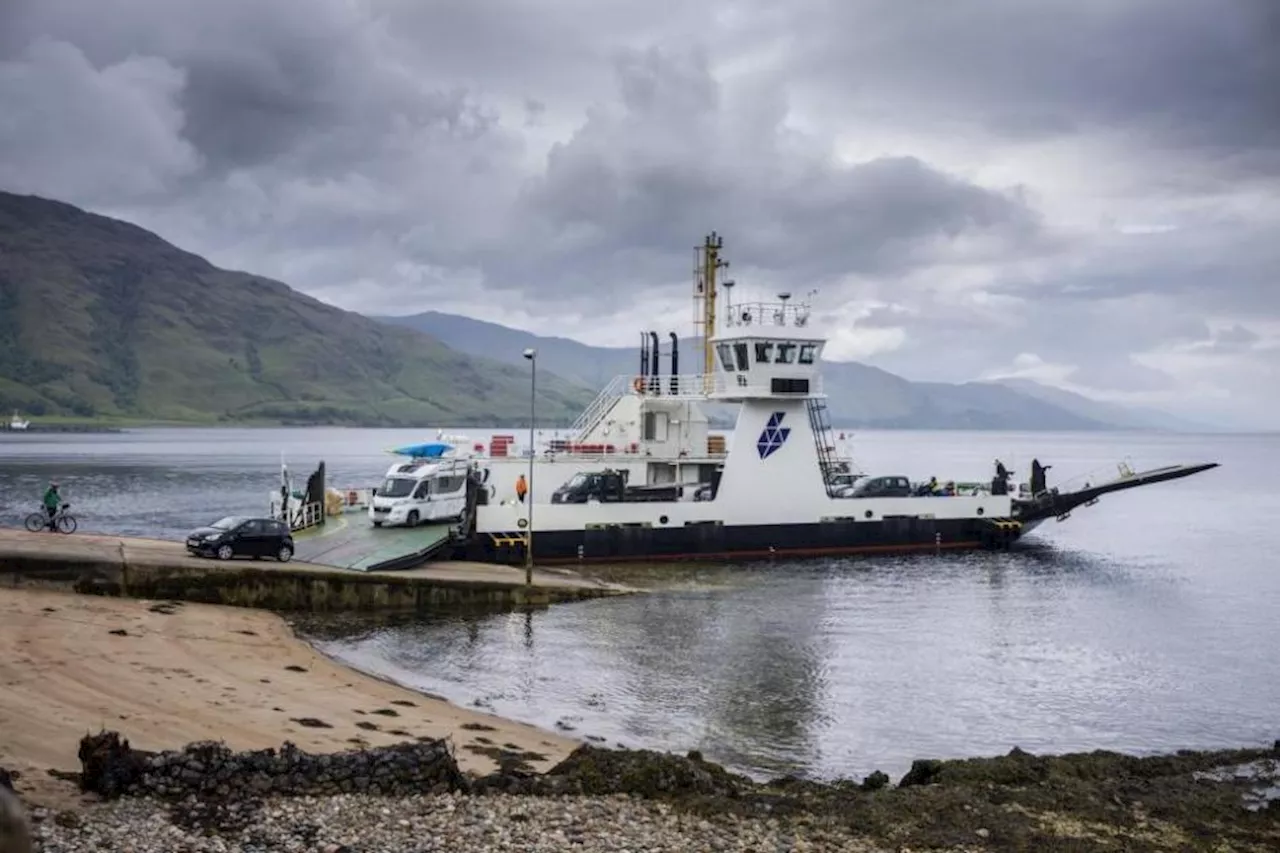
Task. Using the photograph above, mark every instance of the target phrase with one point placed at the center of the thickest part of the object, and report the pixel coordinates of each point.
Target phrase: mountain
(100, 318)
(858, 395)
(1128, 417)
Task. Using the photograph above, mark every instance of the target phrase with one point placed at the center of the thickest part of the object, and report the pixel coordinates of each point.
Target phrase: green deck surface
(352, 542)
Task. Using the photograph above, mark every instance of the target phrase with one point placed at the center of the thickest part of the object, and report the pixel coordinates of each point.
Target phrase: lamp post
(532, 355)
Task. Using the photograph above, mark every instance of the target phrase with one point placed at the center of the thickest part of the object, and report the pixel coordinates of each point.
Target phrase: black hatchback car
(238, 536)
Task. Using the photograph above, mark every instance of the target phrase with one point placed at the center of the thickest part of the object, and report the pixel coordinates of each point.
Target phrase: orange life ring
(638, 385)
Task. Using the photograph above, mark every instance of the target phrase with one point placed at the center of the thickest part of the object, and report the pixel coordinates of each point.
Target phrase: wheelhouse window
(764, 352)
(744, 356)
(807, 352)
(786, 353)
(726, 356)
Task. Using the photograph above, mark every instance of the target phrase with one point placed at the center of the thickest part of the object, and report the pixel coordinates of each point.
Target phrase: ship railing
(600, 406)
(781, 314)
(307, 516)
(1102, 474)
(573, 449)
(685, 386)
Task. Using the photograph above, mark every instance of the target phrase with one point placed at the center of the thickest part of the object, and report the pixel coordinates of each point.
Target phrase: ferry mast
(707, 265)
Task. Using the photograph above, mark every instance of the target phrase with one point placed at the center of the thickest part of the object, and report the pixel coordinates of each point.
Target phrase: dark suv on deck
(238, 536)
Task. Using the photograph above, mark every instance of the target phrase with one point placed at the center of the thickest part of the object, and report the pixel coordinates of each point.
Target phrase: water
(1146, 623)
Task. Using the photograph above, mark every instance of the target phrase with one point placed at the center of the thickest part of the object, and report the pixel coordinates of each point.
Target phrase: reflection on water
(842, 668)
(1149, 622)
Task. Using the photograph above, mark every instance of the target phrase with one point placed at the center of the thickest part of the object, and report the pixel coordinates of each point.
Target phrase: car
(242, 536)
(882, 487)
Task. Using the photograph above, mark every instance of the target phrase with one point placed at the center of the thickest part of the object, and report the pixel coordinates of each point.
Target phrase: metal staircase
(592, 415)
(820, 423)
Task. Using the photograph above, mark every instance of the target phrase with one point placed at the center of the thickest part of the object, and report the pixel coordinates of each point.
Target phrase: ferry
(644, 478)
(18, 423)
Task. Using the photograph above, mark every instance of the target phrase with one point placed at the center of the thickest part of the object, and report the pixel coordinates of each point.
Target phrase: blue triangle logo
(773, 435)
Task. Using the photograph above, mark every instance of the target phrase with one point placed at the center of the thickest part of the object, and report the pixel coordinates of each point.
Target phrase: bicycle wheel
(36, 522)
(66, 523)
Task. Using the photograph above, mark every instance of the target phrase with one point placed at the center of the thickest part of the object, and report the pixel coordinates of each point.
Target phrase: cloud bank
(1083, 192)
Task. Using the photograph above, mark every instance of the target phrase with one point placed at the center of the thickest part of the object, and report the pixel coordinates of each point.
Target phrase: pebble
(357, 823)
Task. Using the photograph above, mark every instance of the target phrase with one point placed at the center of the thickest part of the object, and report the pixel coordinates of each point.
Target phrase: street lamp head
(531, 353)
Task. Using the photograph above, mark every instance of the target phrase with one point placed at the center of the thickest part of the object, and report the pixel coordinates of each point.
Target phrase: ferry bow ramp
(353, 543)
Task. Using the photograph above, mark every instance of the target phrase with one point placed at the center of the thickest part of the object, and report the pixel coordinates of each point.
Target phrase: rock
(15, 831)
(109, 766)
(924, 771)
(875, 781)
(593, 770)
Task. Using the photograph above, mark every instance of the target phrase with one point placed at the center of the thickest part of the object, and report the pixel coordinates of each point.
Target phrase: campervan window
(447, 485)
(396, 487)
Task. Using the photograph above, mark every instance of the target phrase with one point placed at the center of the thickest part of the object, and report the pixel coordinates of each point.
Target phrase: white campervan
(431, 487)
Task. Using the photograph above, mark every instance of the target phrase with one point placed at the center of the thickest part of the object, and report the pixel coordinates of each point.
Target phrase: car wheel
(285, 554)
(225, 552)
(412, 519)
(377, 524)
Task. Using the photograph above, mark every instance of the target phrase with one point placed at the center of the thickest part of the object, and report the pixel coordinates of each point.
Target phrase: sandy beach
(166, 674)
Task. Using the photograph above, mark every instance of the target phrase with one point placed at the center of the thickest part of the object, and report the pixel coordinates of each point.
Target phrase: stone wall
(111, 768)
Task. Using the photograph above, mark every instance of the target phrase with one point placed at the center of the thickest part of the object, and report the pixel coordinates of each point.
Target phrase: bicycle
(62, 521)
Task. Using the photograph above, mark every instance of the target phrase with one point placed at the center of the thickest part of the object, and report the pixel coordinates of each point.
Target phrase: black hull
(713, 542)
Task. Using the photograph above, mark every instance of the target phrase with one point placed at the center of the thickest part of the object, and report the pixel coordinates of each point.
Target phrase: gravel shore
(448, 822)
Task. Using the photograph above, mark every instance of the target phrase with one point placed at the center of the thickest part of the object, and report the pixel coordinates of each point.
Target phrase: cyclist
(52, 502)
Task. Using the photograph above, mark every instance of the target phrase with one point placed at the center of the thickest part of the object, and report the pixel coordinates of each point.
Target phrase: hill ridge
(143, 329)
(859, 395)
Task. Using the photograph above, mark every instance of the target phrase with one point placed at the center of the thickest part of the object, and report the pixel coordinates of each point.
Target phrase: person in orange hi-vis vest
(522, 488)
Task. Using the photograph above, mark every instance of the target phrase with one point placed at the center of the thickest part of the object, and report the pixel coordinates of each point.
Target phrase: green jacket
(52, 499)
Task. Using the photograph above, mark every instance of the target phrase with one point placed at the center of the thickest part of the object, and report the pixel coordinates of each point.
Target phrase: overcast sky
(1082, 192)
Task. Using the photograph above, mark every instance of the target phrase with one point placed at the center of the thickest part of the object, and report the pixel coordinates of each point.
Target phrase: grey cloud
(101, 136)
(1199, 74)
(634, 185)
(1236, 336)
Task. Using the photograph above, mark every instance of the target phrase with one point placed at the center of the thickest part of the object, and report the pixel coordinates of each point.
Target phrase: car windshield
(577, 481)
(227, 523)
(397, 487)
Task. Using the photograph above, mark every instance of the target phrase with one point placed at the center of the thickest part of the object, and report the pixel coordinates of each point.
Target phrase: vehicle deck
(350, 541)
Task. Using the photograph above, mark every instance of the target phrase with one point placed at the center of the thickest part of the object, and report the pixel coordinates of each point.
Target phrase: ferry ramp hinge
(1000, 533)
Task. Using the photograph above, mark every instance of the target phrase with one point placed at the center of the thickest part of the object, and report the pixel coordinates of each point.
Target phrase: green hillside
(102, 319)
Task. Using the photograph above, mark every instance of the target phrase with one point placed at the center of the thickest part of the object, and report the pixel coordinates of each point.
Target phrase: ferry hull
(713, 542)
